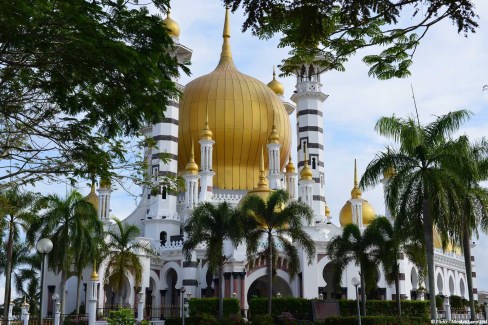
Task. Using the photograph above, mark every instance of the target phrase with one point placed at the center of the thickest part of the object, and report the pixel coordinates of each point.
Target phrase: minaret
(309, 97)
(104, 191)
(191, 181)
(274, 173)
(291, 180)
(306, 182)
(206, 152)
(356, 201)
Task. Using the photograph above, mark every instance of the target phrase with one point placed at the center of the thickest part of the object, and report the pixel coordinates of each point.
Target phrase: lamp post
(43, 246)
(55, 298)
(183, 290)
(355, 283)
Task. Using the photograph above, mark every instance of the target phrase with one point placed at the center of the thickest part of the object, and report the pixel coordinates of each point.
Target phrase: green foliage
(300, 308)
(206, 319)
(123, 316)
(412, 308)
(262, 320)
(375, 320)
(456, 301)
(209, 306)
(439, 302)
(334, 30)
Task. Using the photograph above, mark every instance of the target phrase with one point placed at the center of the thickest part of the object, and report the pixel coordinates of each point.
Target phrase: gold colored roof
(290, 167)
(94, 275)
(274, 137)
(174, 28)
(450, 248)
(206, 133)
(240, 110)
(345, 216)
(276, 86)
(306, 173)
(92, 197)
(192, 167)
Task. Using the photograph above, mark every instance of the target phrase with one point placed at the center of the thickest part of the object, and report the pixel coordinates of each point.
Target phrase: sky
(448, 73)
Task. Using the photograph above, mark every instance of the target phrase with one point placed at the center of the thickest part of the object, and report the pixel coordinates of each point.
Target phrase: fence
(149, 312)
(459, 314)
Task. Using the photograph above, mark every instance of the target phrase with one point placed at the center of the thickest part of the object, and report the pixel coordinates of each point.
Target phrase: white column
(140, 307)
(274, 171)
(92, 300)
(57, 313)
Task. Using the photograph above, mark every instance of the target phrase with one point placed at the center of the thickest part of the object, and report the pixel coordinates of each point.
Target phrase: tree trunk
(62, 288)
(469, 269)
(78, 287)
(8, 271)
(221, 291)
(269, 265)
(397, 289)
(429, 247)
(363, 293)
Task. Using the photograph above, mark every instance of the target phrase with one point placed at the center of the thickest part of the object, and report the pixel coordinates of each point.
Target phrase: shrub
(123, 316)
(262, 320)
(210, 306)
(410, 308)
(300, 308)
(456, 301)
(374, 320)
(439, 302)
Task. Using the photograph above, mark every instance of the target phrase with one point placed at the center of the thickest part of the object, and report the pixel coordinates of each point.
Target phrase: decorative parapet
(229, 198)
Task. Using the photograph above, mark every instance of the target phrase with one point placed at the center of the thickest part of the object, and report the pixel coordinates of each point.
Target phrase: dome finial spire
(206, 133)
(263, 183)
(356, 192)
(192, 167)
(226, 54)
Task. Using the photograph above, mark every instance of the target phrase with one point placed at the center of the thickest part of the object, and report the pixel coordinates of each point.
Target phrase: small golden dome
(345, 216)
(241, 111)
(276, 86)
(290, 167)
(105, 183)
(306, 173)
(94, 275)
(192, 167)
(262, 190)
(327, 211)
(92, 197)
(274, 137)
(206, 133)
(174, 28)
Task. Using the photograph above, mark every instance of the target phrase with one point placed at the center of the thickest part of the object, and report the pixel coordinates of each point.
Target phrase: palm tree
(354, 246)
(277, 221)
(427, 187)
(27, 281)
(474, 211)
(122, 252)
(69, 222)
(212, 225)
(388, 241)
(17, 211)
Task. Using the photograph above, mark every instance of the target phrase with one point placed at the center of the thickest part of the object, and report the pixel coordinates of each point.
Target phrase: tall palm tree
(427, 186)
(27, 281)
(17, 211)
(213, 225)
(473, 212)
(123, 251)
(354, 246)
(277, 221)
(69, 222)
(389, 240)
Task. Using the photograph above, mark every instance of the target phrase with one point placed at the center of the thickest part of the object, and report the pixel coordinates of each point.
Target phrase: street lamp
(44, 246)
(355, 283)
(55, 298)
(183, 290)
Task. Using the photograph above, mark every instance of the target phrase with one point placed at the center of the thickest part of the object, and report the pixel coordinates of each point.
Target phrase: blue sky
(449, 72)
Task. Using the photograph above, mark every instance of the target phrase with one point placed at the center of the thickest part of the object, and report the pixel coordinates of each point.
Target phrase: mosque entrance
(117, 297)
(332, 289)
(259, 288)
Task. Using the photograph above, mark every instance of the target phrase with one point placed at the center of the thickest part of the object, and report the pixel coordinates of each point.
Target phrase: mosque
(229, 136)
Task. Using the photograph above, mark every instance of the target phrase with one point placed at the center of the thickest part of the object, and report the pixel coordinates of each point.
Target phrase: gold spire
(274, 137)
(275, 85)
(192, 167)
(355, 192)
(206, 133)
(226, 54)
(290, 168)
(94, 275)
(174, 28)
(306, 173)
(263, 182)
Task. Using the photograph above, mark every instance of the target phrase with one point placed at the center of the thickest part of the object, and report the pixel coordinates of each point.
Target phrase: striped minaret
(309, 98)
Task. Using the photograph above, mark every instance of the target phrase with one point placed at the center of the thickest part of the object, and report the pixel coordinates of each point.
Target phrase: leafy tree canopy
(334, 30)
(76, 76)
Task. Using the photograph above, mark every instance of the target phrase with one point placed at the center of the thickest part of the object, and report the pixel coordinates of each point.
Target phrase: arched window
(163, 237)
(314, 163)
(163, 193)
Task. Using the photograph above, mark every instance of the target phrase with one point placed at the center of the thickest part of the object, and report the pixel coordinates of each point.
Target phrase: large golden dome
(241, 111)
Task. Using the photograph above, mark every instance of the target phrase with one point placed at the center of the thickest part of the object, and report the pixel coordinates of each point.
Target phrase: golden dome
(274, 137)
(174, 28)
(262, 190)
(345, 216)
(92, 197)
(94, 275)
(192, 167)
(290, 167)
(241, 111)
(327, 211)
(276, 86)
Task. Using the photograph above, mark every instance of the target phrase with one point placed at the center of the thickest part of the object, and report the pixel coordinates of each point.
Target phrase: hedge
(210, 306)
(206, 319)
(374, 320)
(300, 308)
(410, 308)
